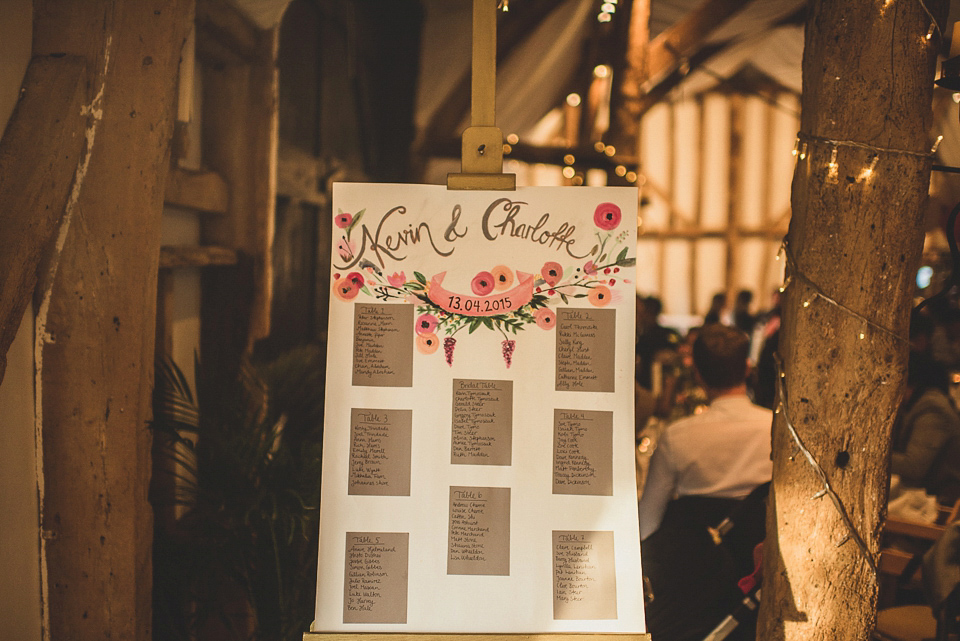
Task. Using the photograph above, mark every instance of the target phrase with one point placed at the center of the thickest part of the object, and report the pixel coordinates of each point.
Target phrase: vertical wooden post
(867, 87)
(95, 325)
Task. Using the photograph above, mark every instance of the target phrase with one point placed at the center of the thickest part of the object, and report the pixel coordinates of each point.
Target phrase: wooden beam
(41, 159)
(228, 36)
(196, 256)
(624, 121)
(96, 320)
(204, 191)
(768, 233)
(669, 49)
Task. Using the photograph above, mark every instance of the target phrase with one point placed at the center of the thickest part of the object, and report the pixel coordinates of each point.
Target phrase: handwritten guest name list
(585, 349)
(583, 452)
(382, 345)
(584, 576)
(479, 535)
(482, 422)
(380, 452)
(375, 577)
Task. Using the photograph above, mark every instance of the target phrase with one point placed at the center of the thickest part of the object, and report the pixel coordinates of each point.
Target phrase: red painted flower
(397, 279)
(343, 220)
(426, 323)
(482, 283)
(356, 278)
(552, 273)
(607, 216)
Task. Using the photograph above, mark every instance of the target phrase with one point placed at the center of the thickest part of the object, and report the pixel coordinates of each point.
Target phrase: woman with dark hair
(926, 433)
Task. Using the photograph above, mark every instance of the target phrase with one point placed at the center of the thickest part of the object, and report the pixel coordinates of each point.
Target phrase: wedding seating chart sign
(478, 462)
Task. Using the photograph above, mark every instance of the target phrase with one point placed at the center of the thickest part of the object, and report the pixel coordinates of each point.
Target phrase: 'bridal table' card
(478, 460)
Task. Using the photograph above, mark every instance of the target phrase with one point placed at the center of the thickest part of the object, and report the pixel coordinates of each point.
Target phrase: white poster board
(478, 463)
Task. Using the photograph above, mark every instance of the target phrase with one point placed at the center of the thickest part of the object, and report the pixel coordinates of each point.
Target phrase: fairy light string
(827, 489)
(796, 273)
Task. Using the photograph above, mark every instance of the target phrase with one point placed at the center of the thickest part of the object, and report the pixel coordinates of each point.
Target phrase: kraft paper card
(582, 452)
(375, 579)
(380, 452)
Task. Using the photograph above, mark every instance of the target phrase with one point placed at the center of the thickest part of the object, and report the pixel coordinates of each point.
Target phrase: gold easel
(481, 168)
(481, 151)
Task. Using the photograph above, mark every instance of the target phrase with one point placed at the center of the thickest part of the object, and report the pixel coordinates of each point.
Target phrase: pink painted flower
(427, 343)
(343, 220)
(599, 296)
(346, 249)
(590, 268)
(345, 289)
(397, 279)
(482, 283)
(607, 216)
(552, 273)
(502, 277)
(545, 318)
(426, 323)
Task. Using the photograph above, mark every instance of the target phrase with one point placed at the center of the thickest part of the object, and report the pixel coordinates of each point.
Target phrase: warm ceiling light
(569, 159)
(573, 99)
(569, 172)
(513, 139)
(601, 71)
(620, 170)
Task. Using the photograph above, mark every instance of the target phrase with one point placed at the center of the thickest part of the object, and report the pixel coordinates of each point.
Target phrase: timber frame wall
(716, 172)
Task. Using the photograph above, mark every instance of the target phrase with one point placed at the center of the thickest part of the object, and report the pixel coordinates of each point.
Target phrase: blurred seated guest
(703, 467)
(742, 318)
(764, 377)
(926, 432)
(716, 313)
(652, 339)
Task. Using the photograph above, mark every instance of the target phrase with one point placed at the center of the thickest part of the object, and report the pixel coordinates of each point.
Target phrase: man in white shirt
(703, 466)
(723, 452)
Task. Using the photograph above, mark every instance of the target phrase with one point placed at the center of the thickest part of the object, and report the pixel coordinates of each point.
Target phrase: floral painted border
(554, 284)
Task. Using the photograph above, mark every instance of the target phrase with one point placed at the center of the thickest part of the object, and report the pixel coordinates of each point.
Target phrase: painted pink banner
(490, 305)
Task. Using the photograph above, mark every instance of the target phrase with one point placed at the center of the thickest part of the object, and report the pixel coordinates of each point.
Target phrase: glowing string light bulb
(803, 151)
(936, 144)
(796, 146)
(833, 174)
(933, 26)
(786, 284)
(868, 170)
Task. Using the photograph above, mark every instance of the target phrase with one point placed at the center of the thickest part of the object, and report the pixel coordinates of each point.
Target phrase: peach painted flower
(397, 279)
(426, 323)
(427, 343)
(607, 216)
(345, 289)
(599, 296)
(545, 318)
(343, 220)
(552, 273)
(502, 277)
(482, 283)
